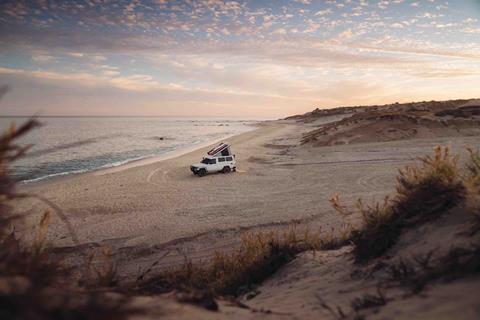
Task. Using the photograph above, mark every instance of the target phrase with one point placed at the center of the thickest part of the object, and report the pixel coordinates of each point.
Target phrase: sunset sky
(233, 58)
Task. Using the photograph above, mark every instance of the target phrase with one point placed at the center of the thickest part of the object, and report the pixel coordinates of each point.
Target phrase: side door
(231, 161)
(213, 166)
(221, 163)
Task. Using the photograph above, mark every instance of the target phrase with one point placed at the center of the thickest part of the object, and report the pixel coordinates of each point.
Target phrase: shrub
(33, 285)
(380, 230)
(424, 192)
(257, 258)
(231, 273)
(427, 190)
(473, 184)
(16, 260)
(417, 273)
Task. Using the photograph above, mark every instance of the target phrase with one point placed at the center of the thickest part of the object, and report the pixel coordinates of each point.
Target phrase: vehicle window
(221, 159)
(229, 159)
(209, 161)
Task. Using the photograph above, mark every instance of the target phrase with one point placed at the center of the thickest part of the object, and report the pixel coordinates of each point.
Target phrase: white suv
(222, 164)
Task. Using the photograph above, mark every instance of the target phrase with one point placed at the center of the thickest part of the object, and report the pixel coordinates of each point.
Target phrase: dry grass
(34, 270)
(429, 189)
(473, 184)
(420, 271)
(232, 273)
(369, 300)
(424, 192)
(29, 276)
(257, 258)
(33, 284)
(16, 260)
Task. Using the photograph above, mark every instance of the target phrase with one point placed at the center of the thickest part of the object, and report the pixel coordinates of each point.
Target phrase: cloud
(447, 73)
(257, 52)
(108, 78)
(357, 91)
(42, 58)
(471, 30)
(323, 12)
(304, 1)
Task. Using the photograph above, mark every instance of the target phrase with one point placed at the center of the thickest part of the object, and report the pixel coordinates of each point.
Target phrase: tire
(201, 172)
(226, 170)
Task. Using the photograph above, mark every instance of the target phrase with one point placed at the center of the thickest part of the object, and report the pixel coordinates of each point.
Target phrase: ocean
(63, 146)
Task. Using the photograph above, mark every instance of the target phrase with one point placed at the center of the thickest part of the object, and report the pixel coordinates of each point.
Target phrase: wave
(47, 169)
(105, 166)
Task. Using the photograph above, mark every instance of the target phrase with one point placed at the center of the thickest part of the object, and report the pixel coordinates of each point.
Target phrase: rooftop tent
(222, 149)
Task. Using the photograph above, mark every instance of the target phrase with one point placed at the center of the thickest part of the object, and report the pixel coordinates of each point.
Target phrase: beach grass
(424, 192)
(259, 256)
(473, 184)
(34, 284)
(420, 271)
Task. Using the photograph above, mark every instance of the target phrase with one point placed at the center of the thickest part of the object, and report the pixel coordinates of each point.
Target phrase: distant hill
(390, 122)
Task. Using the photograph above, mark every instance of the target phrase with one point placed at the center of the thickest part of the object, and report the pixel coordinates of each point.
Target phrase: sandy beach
(152, 216)
(232, 160)
(147, 211)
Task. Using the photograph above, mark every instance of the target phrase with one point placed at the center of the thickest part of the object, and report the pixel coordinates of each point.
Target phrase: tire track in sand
(165, 182)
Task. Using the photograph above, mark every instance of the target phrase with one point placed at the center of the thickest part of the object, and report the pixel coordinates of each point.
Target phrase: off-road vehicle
(219, 159)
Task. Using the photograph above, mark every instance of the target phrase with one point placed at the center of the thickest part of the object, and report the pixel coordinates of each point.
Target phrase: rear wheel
(226, 170)
(201, 172)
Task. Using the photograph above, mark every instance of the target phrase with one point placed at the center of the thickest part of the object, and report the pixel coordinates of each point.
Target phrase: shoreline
(169, 155)
(146, 202)
(278, 180)
(133, 163)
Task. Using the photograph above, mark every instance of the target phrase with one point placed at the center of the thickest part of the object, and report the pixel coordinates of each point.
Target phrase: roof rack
(222, 148)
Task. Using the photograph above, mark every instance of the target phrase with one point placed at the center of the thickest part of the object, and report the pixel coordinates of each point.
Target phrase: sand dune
(395, 122)
(161, 211)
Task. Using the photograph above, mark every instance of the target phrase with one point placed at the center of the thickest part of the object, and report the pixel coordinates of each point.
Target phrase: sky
(247, 59)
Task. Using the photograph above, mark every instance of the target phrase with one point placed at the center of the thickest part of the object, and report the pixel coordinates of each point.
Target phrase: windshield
(208, 161)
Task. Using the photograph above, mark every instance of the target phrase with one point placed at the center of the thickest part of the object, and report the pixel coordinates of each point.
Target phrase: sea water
(63, 146)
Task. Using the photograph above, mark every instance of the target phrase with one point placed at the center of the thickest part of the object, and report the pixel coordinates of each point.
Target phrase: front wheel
(201, 172)
(226, 170)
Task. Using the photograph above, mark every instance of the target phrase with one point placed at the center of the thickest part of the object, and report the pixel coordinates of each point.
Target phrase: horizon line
(126, 116)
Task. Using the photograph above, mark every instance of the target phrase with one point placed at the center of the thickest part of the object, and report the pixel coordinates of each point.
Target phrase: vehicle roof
(216, 156)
